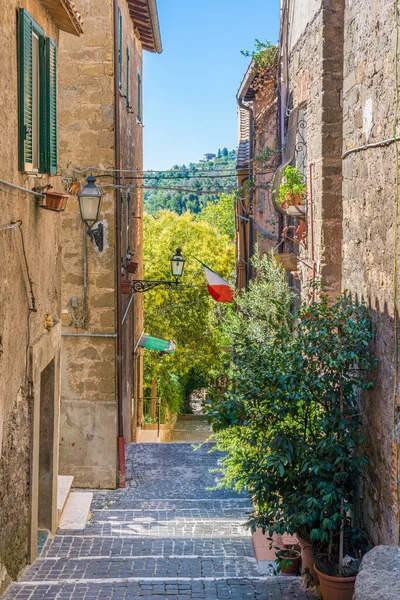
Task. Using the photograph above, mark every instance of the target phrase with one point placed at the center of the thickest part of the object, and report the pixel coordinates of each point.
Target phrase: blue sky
(190, 89)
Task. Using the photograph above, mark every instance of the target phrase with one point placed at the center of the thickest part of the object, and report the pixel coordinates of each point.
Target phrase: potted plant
(292, 191)
(283, 422)
(132, 267)
(55, 201)
(288, 559)
(126, 286)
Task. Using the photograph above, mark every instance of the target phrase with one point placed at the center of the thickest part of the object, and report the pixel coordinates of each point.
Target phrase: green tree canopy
(221, 214)
(186, 315)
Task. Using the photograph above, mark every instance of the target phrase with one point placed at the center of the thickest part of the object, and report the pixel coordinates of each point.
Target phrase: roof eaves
(65, 15)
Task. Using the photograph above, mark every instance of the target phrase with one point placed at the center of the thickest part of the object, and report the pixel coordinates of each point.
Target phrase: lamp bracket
(97, 236)
(144, 285)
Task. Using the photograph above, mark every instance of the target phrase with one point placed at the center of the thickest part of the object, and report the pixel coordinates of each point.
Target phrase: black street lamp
(90, 204)
(177, 265)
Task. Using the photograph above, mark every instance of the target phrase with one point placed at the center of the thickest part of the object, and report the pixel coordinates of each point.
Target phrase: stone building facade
(257, 221)
(101, 365)
(337, 68)
(30, 276)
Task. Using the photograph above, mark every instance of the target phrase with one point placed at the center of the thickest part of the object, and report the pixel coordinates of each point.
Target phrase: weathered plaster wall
(21, 331)
(368, 232)
(89, 400)
(315, 81)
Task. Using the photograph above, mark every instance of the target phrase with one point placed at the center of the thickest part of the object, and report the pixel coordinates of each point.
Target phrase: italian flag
(218, 288)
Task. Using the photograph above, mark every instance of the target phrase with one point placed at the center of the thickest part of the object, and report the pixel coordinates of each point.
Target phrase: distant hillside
(211, 175)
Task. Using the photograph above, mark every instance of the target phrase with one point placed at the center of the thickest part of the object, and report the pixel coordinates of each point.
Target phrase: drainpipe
(119, 349)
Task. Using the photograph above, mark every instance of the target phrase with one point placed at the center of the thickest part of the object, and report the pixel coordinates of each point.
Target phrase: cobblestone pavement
(165, 537)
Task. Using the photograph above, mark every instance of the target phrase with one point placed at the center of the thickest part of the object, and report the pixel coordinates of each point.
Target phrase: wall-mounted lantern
(90, 204)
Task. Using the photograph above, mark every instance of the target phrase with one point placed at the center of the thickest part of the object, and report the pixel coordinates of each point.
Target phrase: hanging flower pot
(132, 267)
(335, 588)
(126, 286)
(296, 210)
(55, 201)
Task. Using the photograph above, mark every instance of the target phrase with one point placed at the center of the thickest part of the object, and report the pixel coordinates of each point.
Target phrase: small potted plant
(288, 559)
(292, 191)
(132, 267)
(55, 201)
(126, 286)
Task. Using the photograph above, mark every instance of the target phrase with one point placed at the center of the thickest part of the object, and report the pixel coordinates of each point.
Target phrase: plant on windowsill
(292, 192)
(288, 421)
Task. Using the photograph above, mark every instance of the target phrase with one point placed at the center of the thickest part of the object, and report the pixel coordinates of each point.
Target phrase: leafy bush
(289, 420)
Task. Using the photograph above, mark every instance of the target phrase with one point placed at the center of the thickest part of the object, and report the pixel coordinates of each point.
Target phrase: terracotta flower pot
(335, 588)
(292, 199)
(55, 201)
(307, 560)
(132, 267)
(125, 286)
(292, 565)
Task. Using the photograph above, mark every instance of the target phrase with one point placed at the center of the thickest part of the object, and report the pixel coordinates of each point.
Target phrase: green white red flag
(217, 287)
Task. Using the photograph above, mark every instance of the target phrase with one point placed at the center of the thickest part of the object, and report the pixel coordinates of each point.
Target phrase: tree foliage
(221, 214)
(288, 421)
(185, 314)
(200, 178)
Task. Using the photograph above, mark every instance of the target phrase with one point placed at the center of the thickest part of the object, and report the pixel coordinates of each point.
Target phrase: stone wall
(315, 80)
(264, 212)
(89, 375)
(368, 233)
(22, 331)
(342, 69)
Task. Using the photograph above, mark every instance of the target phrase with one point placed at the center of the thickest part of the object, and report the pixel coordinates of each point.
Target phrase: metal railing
(151, 411)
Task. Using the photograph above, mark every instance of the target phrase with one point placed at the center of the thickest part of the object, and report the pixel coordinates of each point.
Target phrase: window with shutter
(51, 106)
(37, 98)
(139, 98)
(127, 78)
(119, 48)
(30, 75)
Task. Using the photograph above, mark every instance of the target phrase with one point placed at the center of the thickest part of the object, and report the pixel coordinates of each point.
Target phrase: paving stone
(166, 536)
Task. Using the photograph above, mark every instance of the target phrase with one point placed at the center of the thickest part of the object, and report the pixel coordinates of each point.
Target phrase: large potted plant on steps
(288, 422)
(335, 339)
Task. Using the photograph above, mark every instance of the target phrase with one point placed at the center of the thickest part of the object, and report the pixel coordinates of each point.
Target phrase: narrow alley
(166, 536)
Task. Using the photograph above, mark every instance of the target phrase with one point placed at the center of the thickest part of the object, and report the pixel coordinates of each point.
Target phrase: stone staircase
(191, 428)
(169, 535)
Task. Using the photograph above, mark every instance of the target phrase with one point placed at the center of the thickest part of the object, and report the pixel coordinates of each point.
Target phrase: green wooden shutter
(139, 97)
(119, 48)
(25, 27)
(51, 106)
(127, 77)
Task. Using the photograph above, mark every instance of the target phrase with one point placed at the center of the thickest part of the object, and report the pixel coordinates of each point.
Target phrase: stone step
(101, 501)
(273, 588)
(176, 528)
(76, 511)
(63, 546)
(64, 483)
(187, 515)
(150, 567)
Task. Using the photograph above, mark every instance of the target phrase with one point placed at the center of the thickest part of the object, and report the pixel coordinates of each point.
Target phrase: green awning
(152, 343)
